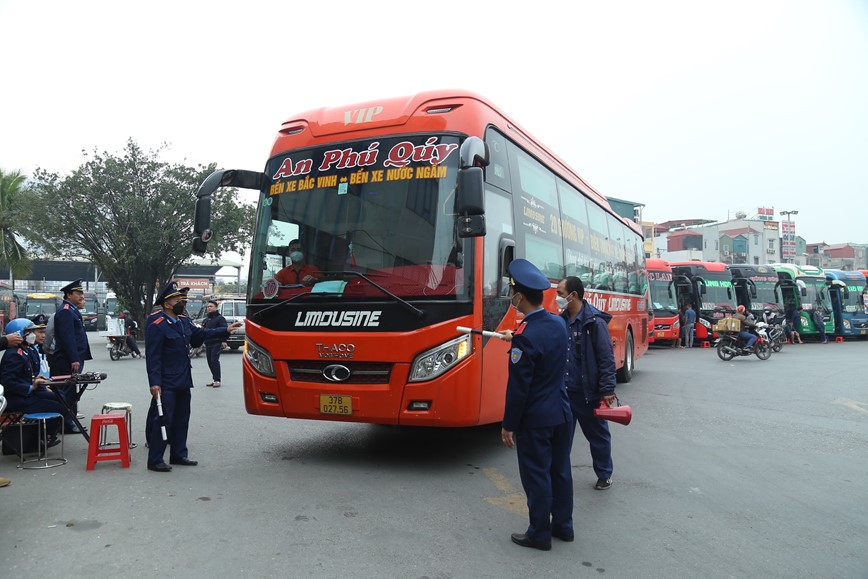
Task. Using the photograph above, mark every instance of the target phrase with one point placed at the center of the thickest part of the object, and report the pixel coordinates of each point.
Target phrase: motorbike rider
(747, 322)
(132, 333)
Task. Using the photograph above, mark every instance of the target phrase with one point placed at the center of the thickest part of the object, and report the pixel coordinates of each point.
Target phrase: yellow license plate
(862, 332)
(331, 404)
(661, 334)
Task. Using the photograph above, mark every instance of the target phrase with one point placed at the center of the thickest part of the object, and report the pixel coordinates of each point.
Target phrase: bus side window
(507, 252)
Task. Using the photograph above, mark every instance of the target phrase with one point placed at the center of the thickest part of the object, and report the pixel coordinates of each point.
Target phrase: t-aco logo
(346, 319)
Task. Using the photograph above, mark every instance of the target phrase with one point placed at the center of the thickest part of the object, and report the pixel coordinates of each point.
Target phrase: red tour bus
(708, 286)
(410, 210)
(664, 300)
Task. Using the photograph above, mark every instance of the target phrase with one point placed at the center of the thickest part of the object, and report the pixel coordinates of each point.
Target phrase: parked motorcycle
(729, 345)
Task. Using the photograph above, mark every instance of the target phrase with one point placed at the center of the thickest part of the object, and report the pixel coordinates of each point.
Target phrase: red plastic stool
(706, 344)
(839, 339)
(95, 453)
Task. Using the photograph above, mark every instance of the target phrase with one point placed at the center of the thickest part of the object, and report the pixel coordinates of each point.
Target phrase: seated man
(741, 313)
(19, 373)
(297, 273)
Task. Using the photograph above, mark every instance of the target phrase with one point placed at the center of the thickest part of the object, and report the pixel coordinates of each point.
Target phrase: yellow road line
(512, 499)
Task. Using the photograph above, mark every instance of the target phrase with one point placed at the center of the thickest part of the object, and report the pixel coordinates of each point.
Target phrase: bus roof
(442, 110)
(715, 266)
(742, 270)
(654, 264)
(42, 296)
(833, 274)
(794, 271)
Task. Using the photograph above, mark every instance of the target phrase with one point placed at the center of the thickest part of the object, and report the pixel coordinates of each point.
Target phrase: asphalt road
(739, 469)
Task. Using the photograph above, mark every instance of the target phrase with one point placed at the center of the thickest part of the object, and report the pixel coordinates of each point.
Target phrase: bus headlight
(258, 358)
(438, 360)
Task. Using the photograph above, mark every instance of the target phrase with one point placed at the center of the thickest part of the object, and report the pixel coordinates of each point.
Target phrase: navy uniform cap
(77, 285)
(524, 273)
(171, 290)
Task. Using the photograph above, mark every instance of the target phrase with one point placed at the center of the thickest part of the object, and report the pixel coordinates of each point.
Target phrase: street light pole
(788, 214)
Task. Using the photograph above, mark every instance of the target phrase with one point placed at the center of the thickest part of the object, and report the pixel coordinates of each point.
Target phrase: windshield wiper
(407, 305)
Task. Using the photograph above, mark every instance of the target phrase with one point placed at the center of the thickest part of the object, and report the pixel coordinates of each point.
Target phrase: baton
(160, 414)
(485, 333)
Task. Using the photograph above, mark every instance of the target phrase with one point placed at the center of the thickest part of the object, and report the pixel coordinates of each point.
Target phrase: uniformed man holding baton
(168, 337)
(537, 420)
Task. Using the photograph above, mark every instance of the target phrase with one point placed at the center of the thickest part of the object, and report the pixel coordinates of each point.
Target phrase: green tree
(132, 215)
(12, 218)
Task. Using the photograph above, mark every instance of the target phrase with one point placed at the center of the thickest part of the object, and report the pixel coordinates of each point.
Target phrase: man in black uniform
(537, 420)
(213, 346)
(70, 348)
(168, 337)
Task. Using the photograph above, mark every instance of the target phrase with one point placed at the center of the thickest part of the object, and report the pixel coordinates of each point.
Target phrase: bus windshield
(45, 306)
(718, 293)
(370, 216)
(663, 298)
(817, 293)
(766, 296)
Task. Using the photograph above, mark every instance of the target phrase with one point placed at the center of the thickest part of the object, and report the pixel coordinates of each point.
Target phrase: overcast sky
(696, 109)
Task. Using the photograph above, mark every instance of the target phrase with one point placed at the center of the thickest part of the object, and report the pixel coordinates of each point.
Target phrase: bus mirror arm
(223, 178)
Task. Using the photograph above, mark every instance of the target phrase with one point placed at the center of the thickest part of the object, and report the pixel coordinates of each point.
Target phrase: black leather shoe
(53, 441)
(160, 467)
(183, 461)
(565, 536)
(525, 541)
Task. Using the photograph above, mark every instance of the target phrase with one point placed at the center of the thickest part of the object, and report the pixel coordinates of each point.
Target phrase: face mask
(512, 302)
(562, 302)
(296, 256)
(178, 308)
(30, 338)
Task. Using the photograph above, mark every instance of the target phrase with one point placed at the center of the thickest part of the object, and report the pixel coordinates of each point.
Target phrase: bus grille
(360, 372)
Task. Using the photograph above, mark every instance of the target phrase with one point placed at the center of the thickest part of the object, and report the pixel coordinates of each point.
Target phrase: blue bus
(848, 303)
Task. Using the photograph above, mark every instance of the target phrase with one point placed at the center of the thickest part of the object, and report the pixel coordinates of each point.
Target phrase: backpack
(49, 344)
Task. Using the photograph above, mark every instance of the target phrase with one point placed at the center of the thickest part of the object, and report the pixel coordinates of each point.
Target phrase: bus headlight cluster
(438, 360)
(258, 358)
(705, 323)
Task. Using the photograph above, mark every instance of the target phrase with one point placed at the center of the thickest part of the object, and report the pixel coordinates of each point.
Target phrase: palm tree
(12, 253)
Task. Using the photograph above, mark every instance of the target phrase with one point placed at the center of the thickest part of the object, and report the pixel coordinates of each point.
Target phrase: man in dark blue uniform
(19, 373)
(590, 372)
(168, 337)
(537, 419)
(70, 348)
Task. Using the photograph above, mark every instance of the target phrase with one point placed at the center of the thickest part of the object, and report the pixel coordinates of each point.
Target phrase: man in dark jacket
(537, 419)
(590, 372)
(213, 346)
(70, 349)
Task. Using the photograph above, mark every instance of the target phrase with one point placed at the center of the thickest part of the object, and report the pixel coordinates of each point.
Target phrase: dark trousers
(212, 352)
(596, 432)
(176, 417)
(546, 475)
(134, 348)
(60, 367)
(39, 401)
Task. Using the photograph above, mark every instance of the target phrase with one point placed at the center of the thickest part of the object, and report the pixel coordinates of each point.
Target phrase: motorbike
(118, 347)
(729, 345)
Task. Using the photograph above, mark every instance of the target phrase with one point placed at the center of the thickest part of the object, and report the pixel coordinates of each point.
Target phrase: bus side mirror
(470, 192)
(803, 291)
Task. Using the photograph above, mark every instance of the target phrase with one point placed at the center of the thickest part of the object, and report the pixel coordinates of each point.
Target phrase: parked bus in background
(41, 303)
(846, 292)
(805, 285)
(410, 210)
(757, 287)
(89, 313)
(8, 306)
(112, 307)
(708, 286)
(664, 300)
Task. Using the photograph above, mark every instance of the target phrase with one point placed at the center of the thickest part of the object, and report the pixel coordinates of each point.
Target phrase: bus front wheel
(625, 373)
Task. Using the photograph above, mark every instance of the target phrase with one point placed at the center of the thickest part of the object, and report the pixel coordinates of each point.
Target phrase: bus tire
(625, 372)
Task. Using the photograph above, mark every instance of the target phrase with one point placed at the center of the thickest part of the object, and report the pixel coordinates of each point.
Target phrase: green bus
(805, 285)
